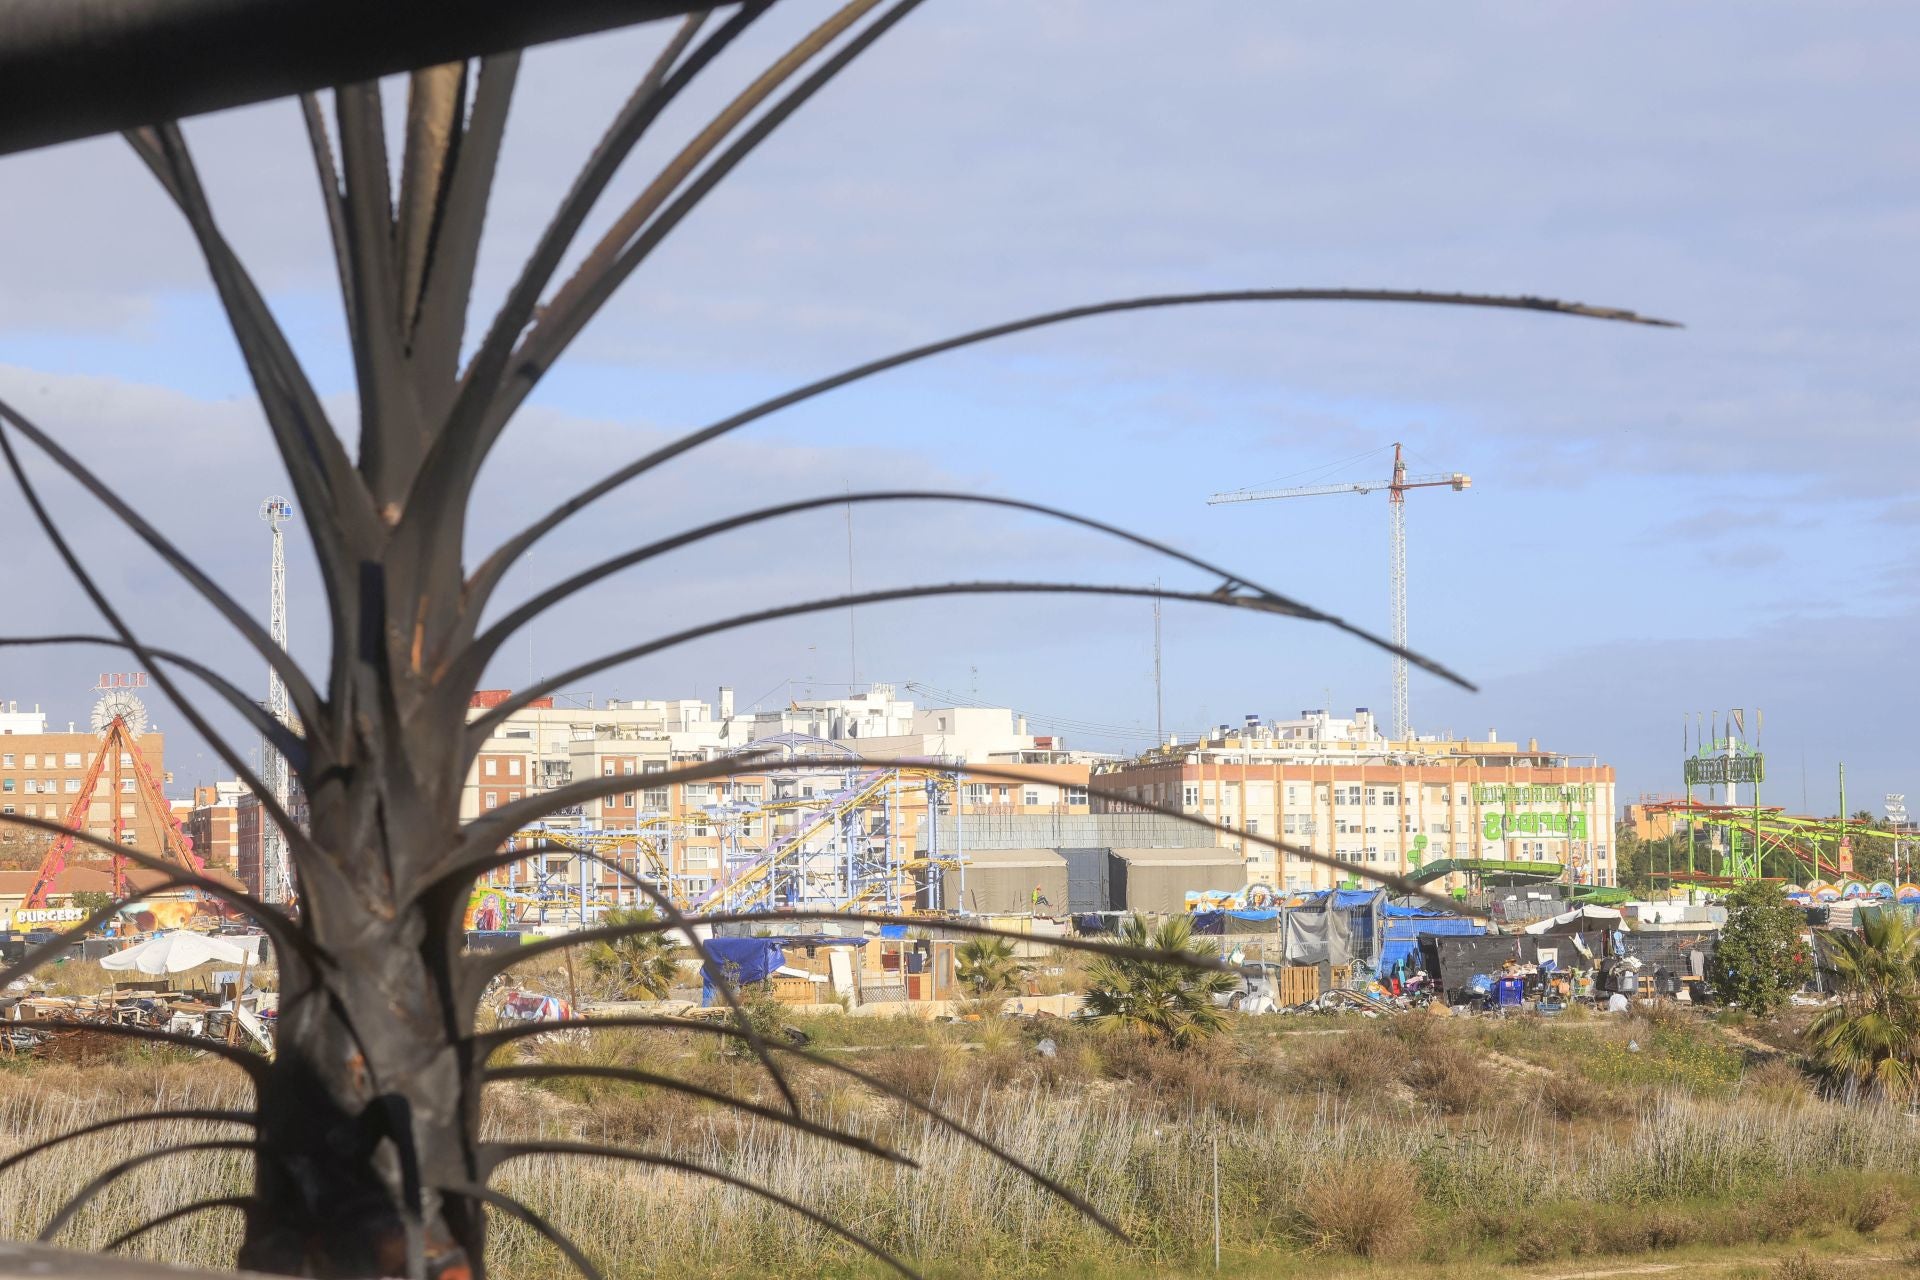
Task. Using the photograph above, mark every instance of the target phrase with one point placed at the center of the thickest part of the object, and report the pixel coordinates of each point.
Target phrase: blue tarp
(1214, 923)
(1343, 899)
(755, 958)
(1405, 925)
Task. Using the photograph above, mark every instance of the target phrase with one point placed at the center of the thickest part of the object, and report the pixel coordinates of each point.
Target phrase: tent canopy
(176, 952)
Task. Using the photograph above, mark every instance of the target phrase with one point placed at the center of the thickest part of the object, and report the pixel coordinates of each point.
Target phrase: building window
(1190, 795)
(6, 761)
(627, 767)
(73, 786)
(6, 784)
(657, 798)
(490, 767)
(976, 793)
(491, 800)
(750, 792)
(1253, 826)
(513, 767)
(606, 769)
(126, 786)
(1032, 795)
(33, 762)
(73, 759)
(1076, 795)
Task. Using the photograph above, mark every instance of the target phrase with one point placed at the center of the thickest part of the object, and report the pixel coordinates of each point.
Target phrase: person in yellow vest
(1039, 899)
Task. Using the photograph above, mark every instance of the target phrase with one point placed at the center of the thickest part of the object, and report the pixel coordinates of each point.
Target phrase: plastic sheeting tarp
(1454, 961)
(1216, 923)
(1578, 920)
(754, 958)
(1330, 927)
(1336, 927)
(1343, 899)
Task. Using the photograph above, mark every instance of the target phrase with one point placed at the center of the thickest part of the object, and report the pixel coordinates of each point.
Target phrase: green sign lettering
(1720, 771)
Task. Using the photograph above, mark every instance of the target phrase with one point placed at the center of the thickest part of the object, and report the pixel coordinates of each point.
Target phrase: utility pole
(1397, 508)
(275, 881)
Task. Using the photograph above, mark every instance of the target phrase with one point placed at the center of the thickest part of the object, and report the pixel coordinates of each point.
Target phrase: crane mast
(1397, 572)
(276, 881)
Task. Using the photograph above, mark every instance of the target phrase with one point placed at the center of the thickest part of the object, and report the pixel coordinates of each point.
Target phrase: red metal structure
(115, 745)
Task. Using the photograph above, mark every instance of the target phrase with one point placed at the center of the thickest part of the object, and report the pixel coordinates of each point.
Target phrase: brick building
(213, 823)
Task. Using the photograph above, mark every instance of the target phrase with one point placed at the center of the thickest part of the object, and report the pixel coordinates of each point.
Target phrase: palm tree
(1871, 1039)
(637, 964)
(988, 966)
(1170, 1001)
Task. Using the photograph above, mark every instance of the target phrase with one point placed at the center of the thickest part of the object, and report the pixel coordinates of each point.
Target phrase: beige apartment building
(1340, 789)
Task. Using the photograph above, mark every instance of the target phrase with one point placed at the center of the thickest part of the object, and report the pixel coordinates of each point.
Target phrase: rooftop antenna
(1159, 724)
(275, 879)
(1397, 507)
(853, 649)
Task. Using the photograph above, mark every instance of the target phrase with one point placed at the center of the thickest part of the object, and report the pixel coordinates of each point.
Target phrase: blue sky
(1661, 521)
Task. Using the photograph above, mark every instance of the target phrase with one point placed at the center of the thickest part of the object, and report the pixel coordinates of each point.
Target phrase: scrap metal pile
(65, 1028)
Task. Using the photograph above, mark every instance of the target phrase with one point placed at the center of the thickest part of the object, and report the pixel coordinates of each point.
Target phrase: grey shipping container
(1002, 881)
(1158, 880)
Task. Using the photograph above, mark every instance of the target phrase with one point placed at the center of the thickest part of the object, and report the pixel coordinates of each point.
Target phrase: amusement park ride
(840, 848)
(120, 719)
(1729, 841)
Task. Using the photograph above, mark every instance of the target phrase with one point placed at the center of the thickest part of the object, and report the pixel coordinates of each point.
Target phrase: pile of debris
(64, 1028)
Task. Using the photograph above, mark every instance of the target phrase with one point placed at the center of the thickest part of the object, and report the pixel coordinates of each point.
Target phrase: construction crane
(1397, 507)
(276, 878)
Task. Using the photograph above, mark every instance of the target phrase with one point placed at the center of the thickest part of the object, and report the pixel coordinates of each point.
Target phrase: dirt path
(1724, 1268)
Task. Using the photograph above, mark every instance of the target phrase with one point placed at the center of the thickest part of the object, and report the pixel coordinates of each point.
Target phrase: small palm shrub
(1164, 999)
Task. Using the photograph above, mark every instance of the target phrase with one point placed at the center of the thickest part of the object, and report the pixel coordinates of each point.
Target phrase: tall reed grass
(1380, 1172)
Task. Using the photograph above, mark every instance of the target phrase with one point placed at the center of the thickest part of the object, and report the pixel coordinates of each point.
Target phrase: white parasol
(176, 952)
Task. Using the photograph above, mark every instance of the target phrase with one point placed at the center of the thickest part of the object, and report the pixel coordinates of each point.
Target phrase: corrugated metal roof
(1178, 857)
(1014, 858)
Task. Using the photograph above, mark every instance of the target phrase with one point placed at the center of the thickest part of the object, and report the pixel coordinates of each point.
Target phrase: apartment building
(213, 823)
(249, 824)
(42, 774)
(1337, 786)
